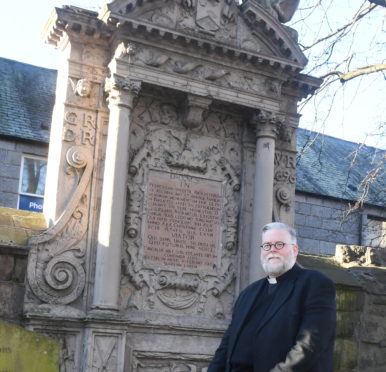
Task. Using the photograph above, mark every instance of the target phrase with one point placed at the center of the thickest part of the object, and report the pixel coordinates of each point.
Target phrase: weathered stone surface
(6, 300)
(350, 300)
(25, 351)
(346, 354)
(6, 266)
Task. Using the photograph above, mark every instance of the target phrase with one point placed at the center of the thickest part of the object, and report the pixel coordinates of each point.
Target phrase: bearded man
(284, 322)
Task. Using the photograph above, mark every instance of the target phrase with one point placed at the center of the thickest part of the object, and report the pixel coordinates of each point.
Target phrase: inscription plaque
(182, 225)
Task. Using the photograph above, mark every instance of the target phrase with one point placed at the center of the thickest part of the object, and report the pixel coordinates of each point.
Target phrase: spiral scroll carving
(283, 195)
(55, 270)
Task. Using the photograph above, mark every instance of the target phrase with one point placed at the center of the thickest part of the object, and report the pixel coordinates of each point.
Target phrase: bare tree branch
(362, 71)
(357, 17)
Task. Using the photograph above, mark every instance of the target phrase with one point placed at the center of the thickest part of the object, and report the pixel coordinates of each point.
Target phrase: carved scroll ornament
(55, 270)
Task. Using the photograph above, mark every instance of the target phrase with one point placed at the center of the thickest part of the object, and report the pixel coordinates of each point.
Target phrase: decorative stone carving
(211, 15)
(151, 280)
(283, 10)
(105, 353)
(157, 60)
(194, 109)
(284, 185)
(82, 87)
(266, 123)
(56, 274)
(224, 77)
(147, 361)
(286, 133)
(69, 349)
(125, 49)
(122, 83)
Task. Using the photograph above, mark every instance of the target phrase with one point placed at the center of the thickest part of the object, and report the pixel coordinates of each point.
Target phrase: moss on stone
(16, 226)
(25, 351)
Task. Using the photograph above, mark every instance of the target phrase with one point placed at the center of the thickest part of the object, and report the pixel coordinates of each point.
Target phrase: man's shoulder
(253, 286)
(313, 275)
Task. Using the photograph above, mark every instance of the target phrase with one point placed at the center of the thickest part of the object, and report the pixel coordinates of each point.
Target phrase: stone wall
(367, 265)
(13, 264)
(15, 228)
(320, 224)
(11, 152)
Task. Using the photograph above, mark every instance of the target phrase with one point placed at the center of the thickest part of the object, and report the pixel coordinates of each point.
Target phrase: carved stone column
(113, 205)
(266, 130)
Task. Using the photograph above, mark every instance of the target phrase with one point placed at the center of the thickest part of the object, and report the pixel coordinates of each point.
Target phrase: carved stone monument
(173, 143)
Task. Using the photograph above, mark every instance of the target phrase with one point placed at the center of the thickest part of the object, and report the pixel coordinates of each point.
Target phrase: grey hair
(281, 226)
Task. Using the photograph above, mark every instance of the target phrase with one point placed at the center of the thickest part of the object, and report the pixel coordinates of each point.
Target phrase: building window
(32, 183)
(374, 232)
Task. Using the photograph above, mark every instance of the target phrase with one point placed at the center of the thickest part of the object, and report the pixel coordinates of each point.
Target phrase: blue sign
(31, 203)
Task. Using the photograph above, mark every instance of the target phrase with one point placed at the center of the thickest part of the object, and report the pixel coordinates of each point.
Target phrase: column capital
(121, 90)
(266, 123)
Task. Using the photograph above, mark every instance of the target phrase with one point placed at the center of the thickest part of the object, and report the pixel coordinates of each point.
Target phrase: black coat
(297, 332)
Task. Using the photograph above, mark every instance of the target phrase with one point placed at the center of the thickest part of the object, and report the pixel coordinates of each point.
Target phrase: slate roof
(333, 167)
(27, 96)
(326, 165)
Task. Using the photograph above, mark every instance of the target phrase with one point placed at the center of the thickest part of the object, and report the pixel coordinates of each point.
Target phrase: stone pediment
(247, 30)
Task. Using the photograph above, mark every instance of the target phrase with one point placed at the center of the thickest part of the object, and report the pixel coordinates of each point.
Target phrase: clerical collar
(283, 277)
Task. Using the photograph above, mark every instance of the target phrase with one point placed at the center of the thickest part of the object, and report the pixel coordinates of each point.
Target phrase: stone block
(313, 221)
(372, 331)
(20, 269)
(18, 300)
(331, 224)
(6, 300)
(13, 236)
(33, 221)
(303, 208)
(348, 300)
(25, 351)
(372, 358)
(6, 267)
(345, 355)
(346, 323)
(8, 184)
(10, 171)
(7, 145)
(6, 219)
(32, 149)
(8, 199)
(13, 157)
(320, 211)
(300, 220)
(327, 247)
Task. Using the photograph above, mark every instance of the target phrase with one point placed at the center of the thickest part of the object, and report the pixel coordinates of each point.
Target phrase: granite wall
(321, 223)
(11, 152)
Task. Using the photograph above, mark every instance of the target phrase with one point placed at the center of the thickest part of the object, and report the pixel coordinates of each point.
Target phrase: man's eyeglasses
(277, 245)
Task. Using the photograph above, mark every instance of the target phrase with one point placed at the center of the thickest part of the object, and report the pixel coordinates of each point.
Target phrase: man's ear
(296, 249)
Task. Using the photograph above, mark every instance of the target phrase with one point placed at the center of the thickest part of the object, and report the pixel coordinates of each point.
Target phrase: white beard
(279, 265)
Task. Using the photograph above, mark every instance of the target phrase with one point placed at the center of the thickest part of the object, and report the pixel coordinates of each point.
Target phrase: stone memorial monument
(172, 144)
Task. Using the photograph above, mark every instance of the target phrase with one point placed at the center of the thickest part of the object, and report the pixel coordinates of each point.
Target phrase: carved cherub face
(83, 88)
(168, 114)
